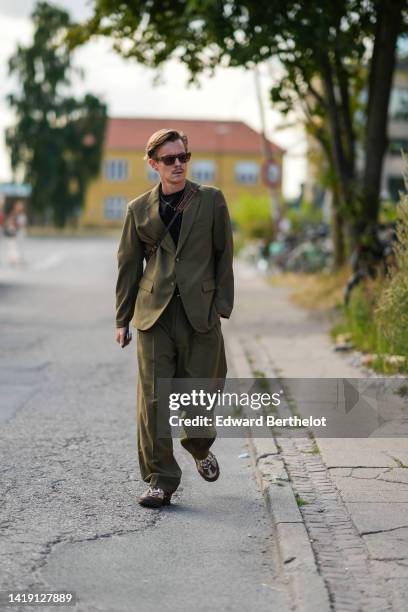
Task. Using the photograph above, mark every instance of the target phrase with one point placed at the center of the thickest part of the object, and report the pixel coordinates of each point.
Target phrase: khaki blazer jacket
(201, 265)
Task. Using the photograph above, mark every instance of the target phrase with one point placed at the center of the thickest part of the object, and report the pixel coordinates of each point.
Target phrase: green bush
(253, 216)
(377, 314)
(391, 313)
(359, 316)
(388, 212)
(306, 214)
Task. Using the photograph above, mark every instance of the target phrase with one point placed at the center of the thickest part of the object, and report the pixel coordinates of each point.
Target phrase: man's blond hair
(158, 139)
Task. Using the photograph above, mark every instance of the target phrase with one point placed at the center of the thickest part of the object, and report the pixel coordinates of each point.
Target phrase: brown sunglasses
(169, 160)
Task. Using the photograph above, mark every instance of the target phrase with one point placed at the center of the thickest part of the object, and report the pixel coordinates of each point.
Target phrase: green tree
(339, 67)
(57, 139)
(321, 45)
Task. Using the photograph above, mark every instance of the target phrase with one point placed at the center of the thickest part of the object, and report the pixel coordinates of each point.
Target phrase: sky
(128, 89)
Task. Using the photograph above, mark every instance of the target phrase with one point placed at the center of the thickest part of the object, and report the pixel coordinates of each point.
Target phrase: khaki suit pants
(171, 348)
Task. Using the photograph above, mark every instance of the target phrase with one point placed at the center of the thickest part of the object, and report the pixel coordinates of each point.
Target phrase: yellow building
(227, 154)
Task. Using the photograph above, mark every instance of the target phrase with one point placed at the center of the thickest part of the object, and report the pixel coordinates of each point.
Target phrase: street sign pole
(270, 170)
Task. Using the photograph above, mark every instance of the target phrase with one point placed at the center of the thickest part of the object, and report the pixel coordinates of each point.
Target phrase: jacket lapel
(158, 227)
(188, 216)
(155, 221)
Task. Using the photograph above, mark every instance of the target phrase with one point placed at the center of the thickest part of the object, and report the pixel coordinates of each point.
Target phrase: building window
(247, 172)
(396, 144)
(398, 107)
(114, 207)
(203, 171)
(116, 169)
(152, 174)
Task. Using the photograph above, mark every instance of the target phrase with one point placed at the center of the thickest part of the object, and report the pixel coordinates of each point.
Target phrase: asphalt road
(69, 517)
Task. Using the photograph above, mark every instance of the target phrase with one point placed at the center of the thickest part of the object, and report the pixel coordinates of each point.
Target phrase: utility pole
(271, 170)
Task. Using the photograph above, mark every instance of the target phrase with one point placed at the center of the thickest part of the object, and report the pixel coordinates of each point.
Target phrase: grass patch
(383, 339)
(314, 451)
(377, 315)
(360, 320)
(258, 373)
(385, 343)
(398, 462)
(300, 501)
(249, 358)
(319, 291)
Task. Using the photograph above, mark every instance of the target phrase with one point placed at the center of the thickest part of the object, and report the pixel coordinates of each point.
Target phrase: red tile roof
(203, 135)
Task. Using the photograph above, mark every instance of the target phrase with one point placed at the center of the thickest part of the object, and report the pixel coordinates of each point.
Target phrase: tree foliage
(331, 53)
(57, 139)
(253, 216)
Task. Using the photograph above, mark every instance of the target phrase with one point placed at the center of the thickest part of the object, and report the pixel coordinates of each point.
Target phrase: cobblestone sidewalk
(341, 517)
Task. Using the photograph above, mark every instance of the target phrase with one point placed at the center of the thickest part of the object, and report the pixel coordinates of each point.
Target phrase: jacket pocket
(208, 284)
(146, 284)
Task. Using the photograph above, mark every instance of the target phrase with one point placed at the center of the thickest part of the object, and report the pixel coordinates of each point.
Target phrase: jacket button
(172, 284)
(177, 258)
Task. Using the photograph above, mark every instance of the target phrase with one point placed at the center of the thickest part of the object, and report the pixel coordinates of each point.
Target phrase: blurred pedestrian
(2, 216)
(14, 230)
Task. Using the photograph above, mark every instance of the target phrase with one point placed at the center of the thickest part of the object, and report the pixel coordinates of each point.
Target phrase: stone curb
(296, 555)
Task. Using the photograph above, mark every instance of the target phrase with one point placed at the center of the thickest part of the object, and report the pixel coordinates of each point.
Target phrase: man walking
(183, 232)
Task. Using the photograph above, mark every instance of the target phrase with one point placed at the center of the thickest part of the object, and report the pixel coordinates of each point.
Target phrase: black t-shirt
(167, 206)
